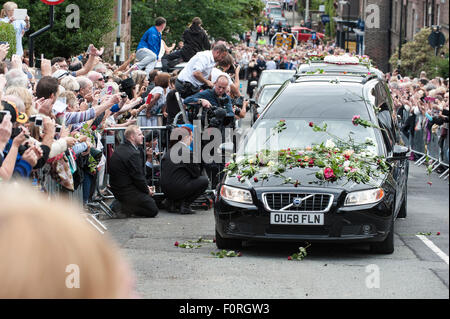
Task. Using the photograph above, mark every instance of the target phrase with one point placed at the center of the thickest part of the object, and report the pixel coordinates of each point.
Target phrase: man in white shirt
(197, 71)
(271, 65)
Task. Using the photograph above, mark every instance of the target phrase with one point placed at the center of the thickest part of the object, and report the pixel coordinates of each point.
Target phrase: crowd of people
(56, 122)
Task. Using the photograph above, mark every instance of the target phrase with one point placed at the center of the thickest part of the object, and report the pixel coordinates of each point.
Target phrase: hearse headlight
(234, 194)
(364, 197)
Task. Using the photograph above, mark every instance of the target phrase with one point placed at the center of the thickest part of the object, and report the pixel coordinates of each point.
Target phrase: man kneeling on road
(181, 179)
(127, 177)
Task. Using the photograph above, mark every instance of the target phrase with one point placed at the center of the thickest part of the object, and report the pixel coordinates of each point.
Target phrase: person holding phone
(20, 26)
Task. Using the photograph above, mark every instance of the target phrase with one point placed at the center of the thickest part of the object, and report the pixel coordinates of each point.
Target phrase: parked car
(304, 34)
(277, 20)
(340, 211)
(262, 98)
(275, 12)
(273, 77)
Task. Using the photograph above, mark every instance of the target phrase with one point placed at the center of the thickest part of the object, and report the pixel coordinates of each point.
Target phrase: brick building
(377, 33)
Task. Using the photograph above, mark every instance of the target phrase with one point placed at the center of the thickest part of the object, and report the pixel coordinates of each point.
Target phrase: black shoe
(169, 205)
(116, 207)
(185, 209)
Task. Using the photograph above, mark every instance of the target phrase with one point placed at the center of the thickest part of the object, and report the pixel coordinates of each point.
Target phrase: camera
(2, 115)
(123, 95)
(216, 117)
(58, 129)
(37, 120)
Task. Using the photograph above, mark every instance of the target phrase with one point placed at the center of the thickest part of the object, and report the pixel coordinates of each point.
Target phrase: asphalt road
(164, 271)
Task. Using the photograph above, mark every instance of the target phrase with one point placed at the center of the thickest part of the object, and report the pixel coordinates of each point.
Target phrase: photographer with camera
(196, 73)
(217, 112)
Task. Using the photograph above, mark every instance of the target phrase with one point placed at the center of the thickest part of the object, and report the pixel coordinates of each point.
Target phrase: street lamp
(343, 2)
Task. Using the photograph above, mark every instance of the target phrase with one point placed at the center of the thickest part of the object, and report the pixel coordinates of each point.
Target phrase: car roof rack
(364, 77)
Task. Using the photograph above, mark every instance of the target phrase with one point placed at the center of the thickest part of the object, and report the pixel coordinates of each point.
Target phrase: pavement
(165, 271)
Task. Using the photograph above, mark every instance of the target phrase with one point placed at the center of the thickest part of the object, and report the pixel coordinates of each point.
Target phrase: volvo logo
(297, 202)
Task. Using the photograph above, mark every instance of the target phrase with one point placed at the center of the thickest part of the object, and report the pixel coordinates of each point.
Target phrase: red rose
(255, 179)
(239, 254)
(289, 258)
(356, 117)
(176, 244)
(214, 240)
(438, 233)
(328, 173)
(227, 164)
(347, 157)
(311, 124)
(311, 162)
(239, 177)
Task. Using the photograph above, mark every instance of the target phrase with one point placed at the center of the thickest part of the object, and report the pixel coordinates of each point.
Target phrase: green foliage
(221, 18)
(418, 55)
(8, 34)
(96, 20)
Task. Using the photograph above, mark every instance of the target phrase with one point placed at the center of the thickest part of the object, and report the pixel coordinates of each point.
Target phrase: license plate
(296, 219)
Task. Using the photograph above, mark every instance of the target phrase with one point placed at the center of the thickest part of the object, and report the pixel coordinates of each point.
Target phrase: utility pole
(401, 31)
(307, 11)
(119, 21)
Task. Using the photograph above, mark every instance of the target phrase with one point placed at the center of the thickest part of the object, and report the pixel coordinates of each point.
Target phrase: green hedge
(7, 34)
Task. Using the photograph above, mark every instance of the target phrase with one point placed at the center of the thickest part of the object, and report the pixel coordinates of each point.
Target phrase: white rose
(330, 144)
(346, 163)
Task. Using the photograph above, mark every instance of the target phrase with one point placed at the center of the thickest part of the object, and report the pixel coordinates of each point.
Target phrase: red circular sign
(52, 2)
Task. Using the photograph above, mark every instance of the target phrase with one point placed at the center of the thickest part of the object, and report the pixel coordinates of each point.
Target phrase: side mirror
(253, 83)
(399, 153)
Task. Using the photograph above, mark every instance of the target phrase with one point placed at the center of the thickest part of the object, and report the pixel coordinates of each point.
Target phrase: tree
(418, 55)
(221, 18)
(96, 20)
(7, 34)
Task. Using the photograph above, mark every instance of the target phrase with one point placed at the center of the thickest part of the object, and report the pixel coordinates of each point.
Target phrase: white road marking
(434, 248)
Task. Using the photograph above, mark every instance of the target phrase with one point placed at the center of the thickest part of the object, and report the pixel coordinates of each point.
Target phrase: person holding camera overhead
(20, 26)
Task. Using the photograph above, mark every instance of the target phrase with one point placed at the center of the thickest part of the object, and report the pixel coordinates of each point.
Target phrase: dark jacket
(126, 171)
(195, 40)
(175, 175)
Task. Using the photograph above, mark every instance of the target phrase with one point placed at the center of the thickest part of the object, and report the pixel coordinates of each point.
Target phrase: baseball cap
(16, 116)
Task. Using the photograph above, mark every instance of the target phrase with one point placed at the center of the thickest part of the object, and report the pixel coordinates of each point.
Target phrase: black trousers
(171, 60)
(139, 204)
(188, 192)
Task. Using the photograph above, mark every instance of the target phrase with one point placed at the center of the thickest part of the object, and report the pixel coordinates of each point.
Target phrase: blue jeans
(87, 182)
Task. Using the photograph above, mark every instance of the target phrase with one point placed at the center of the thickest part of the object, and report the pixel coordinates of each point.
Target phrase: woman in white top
(149, 111)
(20, 26)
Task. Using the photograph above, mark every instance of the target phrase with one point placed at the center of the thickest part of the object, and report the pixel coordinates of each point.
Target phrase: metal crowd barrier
(429, 150)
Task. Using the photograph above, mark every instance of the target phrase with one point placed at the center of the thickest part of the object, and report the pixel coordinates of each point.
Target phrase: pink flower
(311, 124)
(176, 244)
(352, 170)
(239, 177)
(328, 173)
(227, 164)
(356, 117)
(347, 169)
(438, 233)
(289, 258)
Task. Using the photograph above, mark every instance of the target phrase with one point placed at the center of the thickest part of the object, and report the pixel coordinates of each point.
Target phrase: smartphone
(109, 91)
(4, 42)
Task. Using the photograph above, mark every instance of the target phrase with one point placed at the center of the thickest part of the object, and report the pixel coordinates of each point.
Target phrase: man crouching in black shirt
(181, 178)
